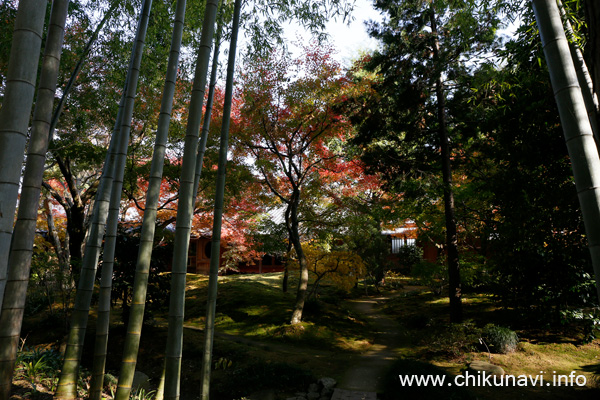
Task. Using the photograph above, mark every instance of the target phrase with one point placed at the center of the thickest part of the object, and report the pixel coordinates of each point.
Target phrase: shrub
(110, 383)
(409, 256)
(38, 365)
(340, 268)
(500, 339)
(126, 252)
(473, 273)
(588, 320)
(432, 275)
(46, 359)
(456, 339)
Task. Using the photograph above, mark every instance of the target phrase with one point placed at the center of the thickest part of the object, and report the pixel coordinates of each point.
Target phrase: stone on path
(328, 383)
(342, 394)
(489, 369)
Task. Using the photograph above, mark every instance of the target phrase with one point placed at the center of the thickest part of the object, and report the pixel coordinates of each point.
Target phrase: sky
(349, 40)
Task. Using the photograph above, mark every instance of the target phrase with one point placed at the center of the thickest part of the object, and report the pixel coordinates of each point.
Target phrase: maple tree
(245, 201)
(289, 126)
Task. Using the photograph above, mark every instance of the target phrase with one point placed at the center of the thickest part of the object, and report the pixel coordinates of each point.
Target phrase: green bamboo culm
(575, 122)
(104, 302)
(218, 212)
(19, 260)
(160, 390)
(186, 206)
(140, 285)
(67, 385)
(208, 109)
(14, 116)
(583, 76)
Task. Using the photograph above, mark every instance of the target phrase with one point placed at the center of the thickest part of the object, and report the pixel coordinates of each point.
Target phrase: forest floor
(362, 341)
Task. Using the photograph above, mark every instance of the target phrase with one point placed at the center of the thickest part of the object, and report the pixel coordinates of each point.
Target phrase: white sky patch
(350, 40)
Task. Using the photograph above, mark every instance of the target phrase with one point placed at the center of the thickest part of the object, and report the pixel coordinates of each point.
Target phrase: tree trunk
(64, 277)
(211, 305)
(454, 285)
(186, 207)
(140, 284)
(75, 210)
(63, 259)
(14, 116)
(67, 385)
(286, 272)
(295, 240)
(19, 260)
(576, 126)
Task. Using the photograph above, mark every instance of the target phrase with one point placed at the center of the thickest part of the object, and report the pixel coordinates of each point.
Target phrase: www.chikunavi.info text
(484, 379)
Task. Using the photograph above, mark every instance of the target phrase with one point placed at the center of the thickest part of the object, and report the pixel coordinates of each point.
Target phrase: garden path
(368, 373)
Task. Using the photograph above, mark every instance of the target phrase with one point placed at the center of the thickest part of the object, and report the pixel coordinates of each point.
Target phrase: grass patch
(254, 306)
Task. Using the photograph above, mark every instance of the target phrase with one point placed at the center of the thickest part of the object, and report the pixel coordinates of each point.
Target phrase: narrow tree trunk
(186, 207)
(454, 285)
(286, 272)
(19, 260)
(14, 116)
(211, 306)
(140, 284)
(295, 240)
(67, 384)
(93, 246)
(576, 126)
(64, 277)
(63, 260)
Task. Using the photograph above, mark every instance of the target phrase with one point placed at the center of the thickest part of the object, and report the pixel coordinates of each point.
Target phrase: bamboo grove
(19, 97)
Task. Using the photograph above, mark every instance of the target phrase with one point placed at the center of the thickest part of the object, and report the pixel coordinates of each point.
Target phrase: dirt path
(368, 373)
